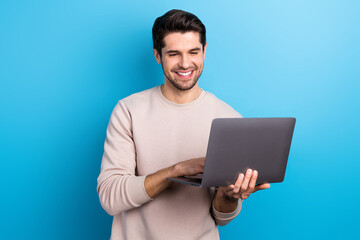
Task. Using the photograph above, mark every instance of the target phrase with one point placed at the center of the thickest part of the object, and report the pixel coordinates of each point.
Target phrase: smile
(184, 73)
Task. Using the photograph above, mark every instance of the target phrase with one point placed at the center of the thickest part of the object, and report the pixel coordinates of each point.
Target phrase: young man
(163, 132)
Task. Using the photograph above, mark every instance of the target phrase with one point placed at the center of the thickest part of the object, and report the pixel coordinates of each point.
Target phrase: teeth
(184, 74)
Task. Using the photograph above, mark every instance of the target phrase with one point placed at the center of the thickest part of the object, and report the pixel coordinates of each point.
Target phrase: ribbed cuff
(137, 192)
(226, 216)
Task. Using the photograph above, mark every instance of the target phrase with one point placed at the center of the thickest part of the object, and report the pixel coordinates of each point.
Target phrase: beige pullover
(146, 133)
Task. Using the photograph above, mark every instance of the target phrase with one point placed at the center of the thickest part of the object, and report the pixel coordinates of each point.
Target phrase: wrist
(156, 182)
(221, 196)
(224, 203)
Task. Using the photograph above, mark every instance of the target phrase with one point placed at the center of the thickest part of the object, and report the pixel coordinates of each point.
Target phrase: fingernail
(255, 173)
(249, 172)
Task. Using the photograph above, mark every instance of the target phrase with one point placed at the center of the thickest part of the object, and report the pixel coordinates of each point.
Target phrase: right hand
(190, 167)
(156, 182)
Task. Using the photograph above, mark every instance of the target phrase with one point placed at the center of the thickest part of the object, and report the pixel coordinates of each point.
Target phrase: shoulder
(138, 100)
(139, 97)
(134, 103)
(221, 106)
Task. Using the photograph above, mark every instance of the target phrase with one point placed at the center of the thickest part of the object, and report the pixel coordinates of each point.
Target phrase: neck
(179, 96)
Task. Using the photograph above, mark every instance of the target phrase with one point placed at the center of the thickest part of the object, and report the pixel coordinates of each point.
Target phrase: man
(163, 132)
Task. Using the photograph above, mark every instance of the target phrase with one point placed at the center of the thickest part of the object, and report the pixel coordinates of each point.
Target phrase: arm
(156, 183)
(224, 209)
(118, 187)
(227, 202)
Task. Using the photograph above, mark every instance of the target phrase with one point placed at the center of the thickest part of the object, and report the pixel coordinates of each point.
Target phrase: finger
(199, 164)
(252, 182)
(238, 182)
(251, 187)
(229, 188)
(237, 196)
(228, 191)
(245, 183)
(224, 191)
(262, 186)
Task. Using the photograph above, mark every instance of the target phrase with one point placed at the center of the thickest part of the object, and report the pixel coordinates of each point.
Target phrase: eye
(193, 53)
(172, 54)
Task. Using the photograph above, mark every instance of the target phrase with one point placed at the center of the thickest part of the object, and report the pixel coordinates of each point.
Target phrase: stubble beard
(179, 86)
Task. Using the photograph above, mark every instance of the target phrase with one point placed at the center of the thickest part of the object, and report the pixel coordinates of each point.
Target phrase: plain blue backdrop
(65, 64)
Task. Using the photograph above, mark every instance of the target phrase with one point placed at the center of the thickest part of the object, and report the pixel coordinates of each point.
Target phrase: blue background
(64, 64)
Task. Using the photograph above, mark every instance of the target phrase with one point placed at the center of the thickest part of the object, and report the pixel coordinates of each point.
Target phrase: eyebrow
(191, 50)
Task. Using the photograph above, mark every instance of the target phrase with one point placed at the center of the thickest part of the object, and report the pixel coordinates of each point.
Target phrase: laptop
(237, 144)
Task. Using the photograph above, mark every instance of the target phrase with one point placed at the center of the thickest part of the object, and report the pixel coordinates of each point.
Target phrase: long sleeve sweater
(146, 133)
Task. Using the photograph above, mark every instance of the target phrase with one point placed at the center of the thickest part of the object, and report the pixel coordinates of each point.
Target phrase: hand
(243, 187)
(156, 182)
(190, 167)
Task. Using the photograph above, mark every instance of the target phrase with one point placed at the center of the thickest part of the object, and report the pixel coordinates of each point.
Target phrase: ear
(157, 56)
(204, 51)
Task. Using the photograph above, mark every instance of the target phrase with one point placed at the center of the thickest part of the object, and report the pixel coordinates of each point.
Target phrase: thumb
(262, 186)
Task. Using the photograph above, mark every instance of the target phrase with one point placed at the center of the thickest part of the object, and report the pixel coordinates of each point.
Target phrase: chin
(182, 84)
(186, 86)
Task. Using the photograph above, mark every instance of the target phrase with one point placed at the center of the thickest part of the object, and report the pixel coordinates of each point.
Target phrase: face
(182, 59)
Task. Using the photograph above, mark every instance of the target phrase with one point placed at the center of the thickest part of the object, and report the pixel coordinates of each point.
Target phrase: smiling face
(182, 59)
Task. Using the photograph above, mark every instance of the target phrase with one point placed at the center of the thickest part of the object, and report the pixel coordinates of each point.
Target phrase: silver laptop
(237, 144)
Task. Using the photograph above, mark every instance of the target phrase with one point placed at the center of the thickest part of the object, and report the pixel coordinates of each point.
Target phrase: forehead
(182, 41)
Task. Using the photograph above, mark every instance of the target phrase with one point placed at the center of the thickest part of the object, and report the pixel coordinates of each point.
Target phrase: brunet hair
(176, 21)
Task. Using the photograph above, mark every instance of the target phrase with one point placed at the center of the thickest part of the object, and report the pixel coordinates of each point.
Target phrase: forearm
(119, 192)
(156, 183)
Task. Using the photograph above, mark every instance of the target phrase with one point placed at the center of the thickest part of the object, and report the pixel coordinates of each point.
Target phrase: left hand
(243, 187)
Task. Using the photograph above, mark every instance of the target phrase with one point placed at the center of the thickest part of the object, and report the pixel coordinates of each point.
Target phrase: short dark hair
(176, 21)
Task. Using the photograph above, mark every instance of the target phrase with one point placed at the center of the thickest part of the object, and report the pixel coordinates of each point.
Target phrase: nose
(184, 62)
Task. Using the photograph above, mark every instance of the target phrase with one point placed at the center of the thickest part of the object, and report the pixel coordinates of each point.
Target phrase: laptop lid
(236, 144)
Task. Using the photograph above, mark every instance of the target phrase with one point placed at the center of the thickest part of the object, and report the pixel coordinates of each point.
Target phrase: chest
(166, 138)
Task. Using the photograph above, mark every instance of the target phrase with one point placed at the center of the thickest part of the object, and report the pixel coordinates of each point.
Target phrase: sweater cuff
(137, 190)
(226, 216)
